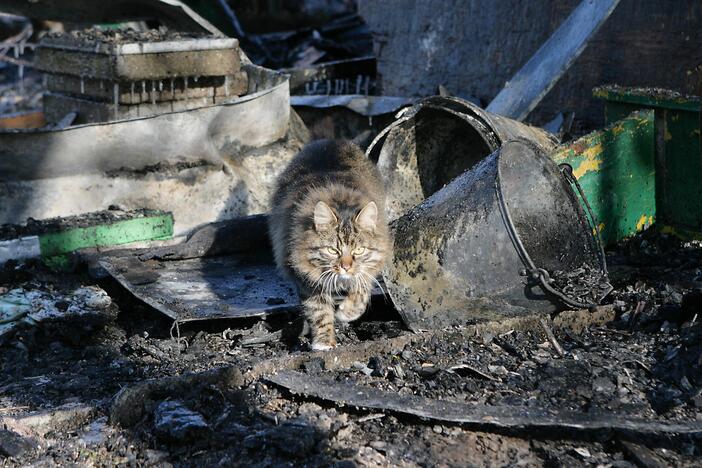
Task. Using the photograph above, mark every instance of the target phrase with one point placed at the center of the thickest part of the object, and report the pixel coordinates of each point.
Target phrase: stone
(314, 365)
(293, 438)
(603, 384)
(13, 444)
(174, 421)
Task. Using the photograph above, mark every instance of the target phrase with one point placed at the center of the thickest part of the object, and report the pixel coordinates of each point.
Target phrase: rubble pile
(332, 59)
(143, 322)
(646, 369)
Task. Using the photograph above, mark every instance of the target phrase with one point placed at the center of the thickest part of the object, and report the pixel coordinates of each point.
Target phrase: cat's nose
(346, 262)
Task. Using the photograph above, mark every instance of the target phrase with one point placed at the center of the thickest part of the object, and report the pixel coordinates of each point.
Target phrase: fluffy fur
(329, 233)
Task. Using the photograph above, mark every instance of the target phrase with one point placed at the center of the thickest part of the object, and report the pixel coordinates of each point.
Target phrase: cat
(329, 233)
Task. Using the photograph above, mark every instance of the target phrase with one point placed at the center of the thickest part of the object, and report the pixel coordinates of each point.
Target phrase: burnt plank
(481, 417)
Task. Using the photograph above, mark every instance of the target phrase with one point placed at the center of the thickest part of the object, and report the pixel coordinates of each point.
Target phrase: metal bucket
(490, 243)
(437, 139)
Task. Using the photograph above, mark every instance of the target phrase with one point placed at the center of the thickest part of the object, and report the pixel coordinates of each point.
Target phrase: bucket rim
(461, 108)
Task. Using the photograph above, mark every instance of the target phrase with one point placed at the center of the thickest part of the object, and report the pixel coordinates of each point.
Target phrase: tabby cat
(329, 233)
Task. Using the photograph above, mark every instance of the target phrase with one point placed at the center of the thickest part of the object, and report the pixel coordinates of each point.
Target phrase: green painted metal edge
(55, 244)
(678, 149)
(648, 97)
(615, 167)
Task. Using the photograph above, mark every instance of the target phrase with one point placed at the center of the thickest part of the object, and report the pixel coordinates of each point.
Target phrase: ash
(645, 363)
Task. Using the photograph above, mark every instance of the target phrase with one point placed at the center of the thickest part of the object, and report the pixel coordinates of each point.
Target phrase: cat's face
(347, 250)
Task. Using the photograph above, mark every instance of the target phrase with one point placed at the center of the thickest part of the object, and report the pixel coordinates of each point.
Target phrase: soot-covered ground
(58, 380)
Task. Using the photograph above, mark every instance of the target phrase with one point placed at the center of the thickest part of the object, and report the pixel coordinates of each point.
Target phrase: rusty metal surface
(615, 166)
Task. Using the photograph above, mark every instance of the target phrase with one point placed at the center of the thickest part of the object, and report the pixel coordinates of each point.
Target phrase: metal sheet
(195, 135)
(483, 417)
(224, 270)
(212, 194)
(364, 105)
(207, 288)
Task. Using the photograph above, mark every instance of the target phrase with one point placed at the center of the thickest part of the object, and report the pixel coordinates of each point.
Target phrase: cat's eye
(332, 251)
(359, 251)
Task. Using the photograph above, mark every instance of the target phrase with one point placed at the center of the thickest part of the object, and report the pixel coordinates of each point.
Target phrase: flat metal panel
(236, 286)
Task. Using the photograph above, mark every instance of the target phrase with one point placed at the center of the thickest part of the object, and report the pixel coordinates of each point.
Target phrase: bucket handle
(540, 274)
(567, 171)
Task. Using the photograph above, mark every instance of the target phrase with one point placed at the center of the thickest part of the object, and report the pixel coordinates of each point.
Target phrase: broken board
(523, 92)
(55, 239)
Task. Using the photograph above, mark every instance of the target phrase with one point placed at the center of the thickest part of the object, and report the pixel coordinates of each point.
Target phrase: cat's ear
(368, 217)
(324, 217)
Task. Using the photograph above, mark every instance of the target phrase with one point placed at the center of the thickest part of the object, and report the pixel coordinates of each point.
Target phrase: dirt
(644, 364)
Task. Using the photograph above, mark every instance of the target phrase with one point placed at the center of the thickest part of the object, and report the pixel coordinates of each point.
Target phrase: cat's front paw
(351, 308)
(321, 346)
(345, 317)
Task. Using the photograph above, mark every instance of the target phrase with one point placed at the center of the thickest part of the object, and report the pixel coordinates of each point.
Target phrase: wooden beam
(530, 84)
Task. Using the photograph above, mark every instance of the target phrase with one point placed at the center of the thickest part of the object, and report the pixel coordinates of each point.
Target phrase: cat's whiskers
(330, 284)
(322, 278)
(368, 280)
(373, 280)
(314, 271)
(366, 283)
(326, 288)
(358, 284)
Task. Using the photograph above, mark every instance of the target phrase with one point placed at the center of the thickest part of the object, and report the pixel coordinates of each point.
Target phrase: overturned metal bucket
(506, 238)
(435, 140)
